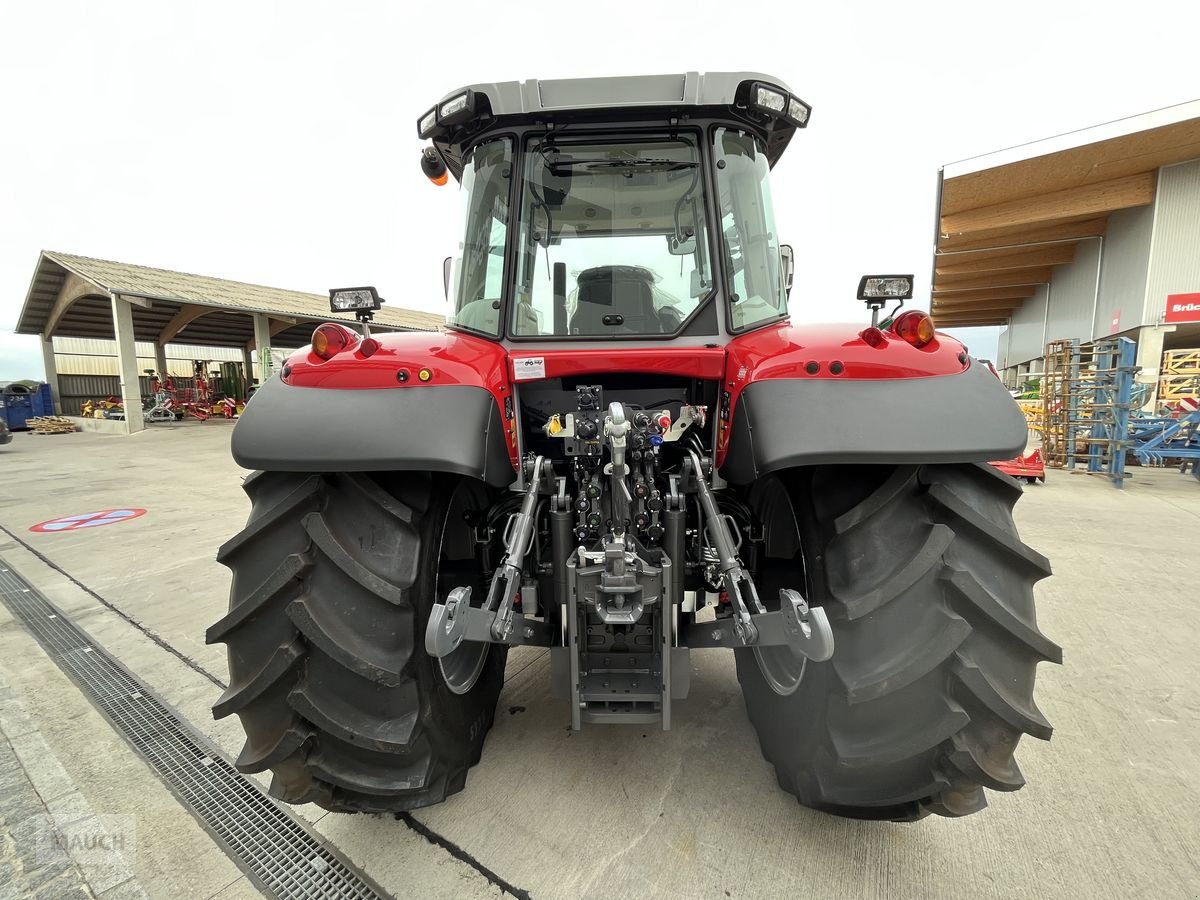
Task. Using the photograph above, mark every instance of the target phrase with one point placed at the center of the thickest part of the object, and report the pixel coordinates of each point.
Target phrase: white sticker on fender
(526, 368)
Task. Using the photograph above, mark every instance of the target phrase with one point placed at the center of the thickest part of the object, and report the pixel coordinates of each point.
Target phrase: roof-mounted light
(778, 103)
(453, 106)
(427, 123)
(769, 98)
(452, 111)
(798, 111)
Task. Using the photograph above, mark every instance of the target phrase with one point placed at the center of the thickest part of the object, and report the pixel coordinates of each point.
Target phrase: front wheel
(929, 591)
(333, 580)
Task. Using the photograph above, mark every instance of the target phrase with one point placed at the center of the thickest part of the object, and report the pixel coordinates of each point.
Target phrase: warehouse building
(1083, 236)
(165, 321)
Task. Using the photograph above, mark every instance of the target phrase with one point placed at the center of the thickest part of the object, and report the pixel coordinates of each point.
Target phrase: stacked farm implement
(202, 396)
(1166, 440)
(1090, 410)
(1087, 395)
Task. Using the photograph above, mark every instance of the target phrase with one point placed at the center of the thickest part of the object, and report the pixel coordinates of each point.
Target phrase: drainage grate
(265, 841)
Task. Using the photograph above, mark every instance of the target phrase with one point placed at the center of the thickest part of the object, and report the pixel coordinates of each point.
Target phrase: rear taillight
(915, 327)
(328, 340)
(873, 337)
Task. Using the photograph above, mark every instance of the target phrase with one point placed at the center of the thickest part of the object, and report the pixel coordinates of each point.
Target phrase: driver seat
(607, 291)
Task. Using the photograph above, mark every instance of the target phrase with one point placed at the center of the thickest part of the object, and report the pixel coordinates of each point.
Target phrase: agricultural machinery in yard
(622, 450)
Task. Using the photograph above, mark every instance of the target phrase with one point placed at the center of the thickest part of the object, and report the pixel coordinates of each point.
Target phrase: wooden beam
(969, 317)
(967, 313)
(1000, 293)
(181, 320)
(942, 309)
(946, 326)
(143, 302)
(1100, 160)
(1000, 238)
(998, 322)
(989, 261)
(1088, 200)
(1003, 314)
(1033, 258)
(993, 279)
(970, 321)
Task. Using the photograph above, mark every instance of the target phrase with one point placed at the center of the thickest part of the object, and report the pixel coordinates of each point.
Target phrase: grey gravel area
(33, 862)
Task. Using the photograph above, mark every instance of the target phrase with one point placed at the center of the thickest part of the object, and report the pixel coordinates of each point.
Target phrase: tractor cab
(615, 208)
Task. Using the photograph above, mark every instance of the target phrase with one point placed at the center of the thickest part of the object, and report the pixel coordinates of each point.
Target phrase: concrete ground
(1111, 809)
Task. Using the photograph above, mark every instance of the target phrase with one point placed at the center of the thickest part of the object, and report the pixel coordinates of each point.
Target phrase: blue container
(42, 400)
(16, 409)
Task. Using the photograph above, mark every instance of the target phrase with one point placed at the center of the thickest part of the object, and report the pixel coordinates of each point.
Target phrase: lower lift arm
(455, 621)
(796, 625)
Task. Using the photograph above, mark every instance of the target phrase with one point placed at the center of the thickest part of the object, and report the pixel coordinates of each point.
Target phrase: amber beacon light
(433, 167)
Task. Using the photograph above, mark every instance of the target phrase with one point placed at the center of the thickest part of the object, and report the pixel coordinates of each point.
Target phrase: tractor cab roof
(761, 102)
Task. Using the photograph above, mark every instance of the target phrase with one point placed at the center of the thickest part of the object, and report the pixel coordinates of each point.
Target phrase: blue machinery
(1157, 441)
(1090, 413)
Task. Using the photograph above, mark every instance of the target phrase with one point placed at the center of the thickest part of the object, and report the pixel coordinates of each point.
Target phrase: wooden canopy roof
(1005, 220)
(69, 296)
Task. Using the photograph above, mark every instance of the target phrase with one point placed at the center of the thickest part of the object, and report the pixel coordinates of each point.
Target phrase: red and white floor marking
(88, 520)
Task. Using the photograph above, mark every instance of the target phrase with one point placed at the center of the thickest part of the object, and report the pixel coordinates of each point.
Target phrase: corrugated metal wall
(75, 390)
(1071, 300)
(1026, 328)
(93, 356)
(1123, 270)
(1175, 253)
(1073, 294)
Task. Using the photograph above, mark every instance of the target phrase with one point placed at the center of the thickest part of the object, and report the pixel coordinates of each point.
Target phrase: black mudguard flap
(444, 428)
(940, 419)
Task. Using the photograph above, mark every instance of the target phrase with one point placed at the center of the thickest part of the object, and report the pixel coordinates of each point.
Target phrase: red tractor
(622, 450)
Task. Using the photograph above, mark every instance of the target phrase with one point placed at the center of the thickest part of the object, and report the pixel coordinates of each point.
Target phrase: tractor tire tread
(346, 710)
(930, 594)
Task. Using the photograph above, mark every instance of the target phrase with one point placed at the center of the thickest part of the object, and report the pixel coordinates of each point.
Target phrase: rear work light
(354, 299)
(915, 327)
(456, 110)
(775, 102)
(328, 340)
(885, 287)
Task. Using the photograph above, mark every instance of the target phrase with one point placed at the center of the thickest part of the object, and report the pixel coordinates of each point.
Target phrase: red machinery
(1029, 467)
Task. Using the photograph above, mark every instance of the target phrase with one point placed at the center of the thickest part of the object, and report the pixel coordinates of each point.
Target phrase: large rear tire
(929, 591)
(333, 580)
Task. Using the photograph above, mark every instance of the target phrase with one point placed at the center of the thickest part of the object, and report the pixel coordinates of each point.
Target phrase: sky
(275, 143)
